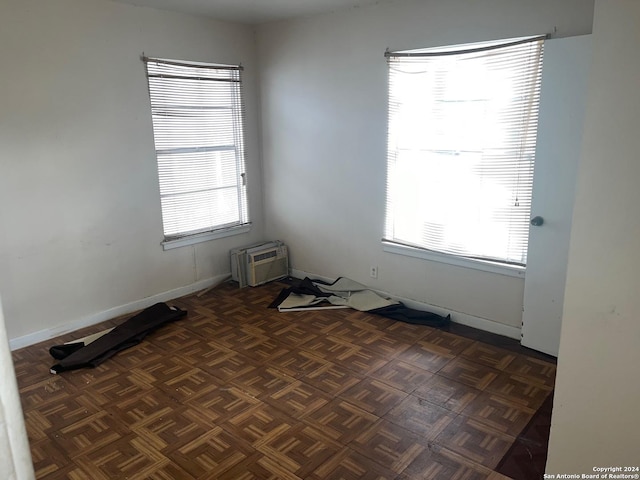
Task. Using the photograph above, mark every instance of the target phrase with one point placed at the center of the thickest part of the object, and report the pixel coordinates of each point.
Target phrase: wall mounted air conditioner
(258, 264)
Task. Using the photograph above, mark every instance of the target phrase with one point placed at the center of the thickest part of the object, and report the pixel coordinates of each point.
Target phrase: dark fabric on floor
(405, 314)
(124, 336)
(63, 351)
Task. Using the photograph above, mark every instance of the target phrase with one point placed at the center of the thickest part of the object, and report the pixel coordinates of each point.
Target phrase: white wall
(16, 461)
(595, 421)
(323, 90)
(80, 219)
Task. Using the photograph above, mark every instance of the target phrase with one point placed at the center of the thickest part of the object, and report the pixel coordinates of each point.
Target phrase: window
(198, 118)
(461, 146)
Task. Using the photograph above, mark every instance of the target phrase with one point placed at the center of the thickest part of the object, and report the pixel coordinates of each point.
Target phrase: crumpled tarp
(346, 293)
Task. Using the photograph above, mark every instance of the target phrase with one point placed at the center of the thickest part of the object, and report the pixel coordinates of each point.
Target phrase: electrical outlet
(373, 271)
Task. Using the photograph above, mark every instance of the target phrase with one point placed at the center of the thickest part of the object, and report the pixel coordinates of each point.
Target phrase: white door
(562, 103)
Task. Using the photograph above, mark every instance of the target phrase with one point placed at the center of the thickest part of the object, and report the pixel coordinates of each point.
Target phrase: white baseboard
(49, 333)
(480, 323)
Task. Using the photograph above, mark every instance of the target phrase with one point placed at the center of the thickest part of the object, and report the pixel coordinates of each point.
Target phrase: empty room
(441, 197)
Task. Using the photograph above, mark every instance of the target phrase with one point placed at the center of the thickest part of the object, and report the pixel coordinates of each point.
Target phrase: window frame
(163, 112)
(408, 248)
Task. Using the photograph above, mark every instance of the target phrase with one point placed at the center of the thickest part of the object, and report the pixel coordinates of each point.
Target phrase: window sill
(485, 266)
(204, 237)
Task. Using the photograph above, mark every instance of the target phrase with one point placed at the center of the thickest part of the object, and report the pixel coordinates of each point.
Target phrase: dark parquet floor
(239, 391)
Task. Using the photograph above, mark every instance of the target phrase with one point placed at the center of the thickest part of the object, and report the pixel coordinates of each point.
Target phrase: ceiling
(252, 11)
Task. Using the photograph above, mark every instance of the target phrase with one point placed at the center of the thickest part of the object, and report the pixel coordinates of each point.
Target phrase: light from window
(198, 118)
(461, 147)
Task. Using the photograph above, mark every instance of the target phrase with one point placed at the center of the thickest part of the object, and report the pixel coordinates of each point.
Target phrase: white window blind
(198, 120)
(461, 147)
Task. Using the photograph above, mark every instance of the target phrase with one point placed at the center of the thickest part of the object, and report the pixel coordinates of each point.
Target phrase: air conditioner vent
(263, 256)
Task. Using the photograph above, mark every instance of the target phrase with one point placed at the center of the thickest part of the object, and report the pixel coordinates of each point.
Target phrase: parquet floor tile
(128, 457)
(294, 334)
(407, 331)
(298, 363)
(238, 391)
(238, 339)
(377, 321)
(329, 347)
(48, 459)
(331, 378)
(172, 427)
(31, 366)
(266, 351)
(226, 364)
(179, 380)
(298, 399)
(361, 360)
(341, 421)
(88, 378)
(258, 422)
(390, 445)
(522, 390)
(426, 356)
(402, 375)
(476, 441)
(446, 343)
(70, 471)
(300, 448)
(175, 338)
(139, 408)
(350, 465)
(526, 456)
(421, 417)
(440, 463)
(489, 355)
(45, 390)
(355, 331)
(88, 434)
(210, 454)
(447, 393)
(113, 386)
(256, 467)
(195, 353)
(224, 402)
(320, 322)
(60, 413)
(499, 413)
(262, 381)
(533, 369)
(383, 344)
(374, 396)
(208, 323)
(470, 373)
(261, 325)
(146, 352)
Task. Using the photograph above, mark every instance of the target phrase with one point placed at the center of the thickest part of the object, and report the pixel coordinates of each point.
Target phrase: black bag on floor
(126, 335)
